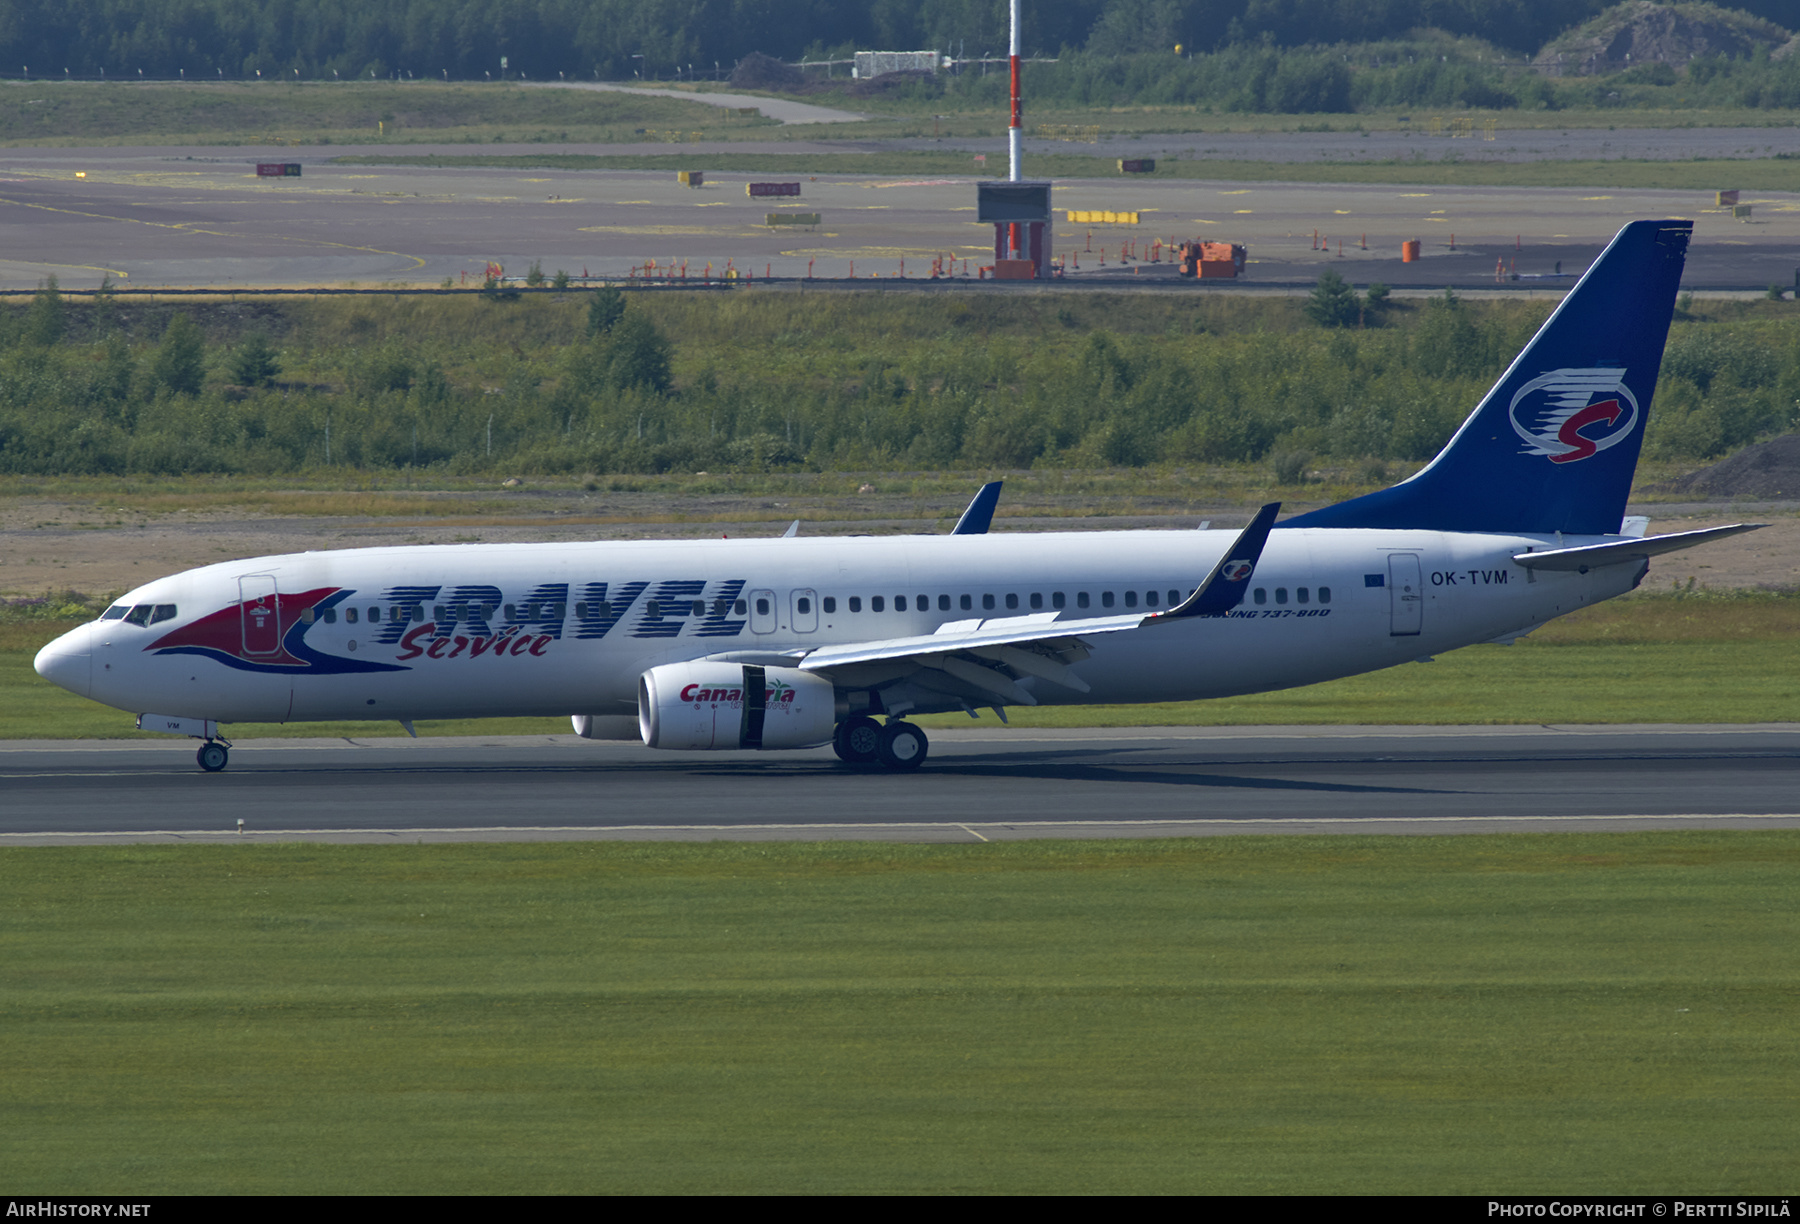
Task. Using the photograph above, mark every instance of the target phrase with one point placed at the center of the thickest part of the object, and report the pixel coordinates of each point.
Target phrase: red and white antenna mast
(1015, 134)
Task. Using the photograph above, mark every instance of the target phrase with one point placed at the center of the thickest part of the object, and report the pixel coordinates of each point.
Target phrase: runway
(199, 217)
(979, 785)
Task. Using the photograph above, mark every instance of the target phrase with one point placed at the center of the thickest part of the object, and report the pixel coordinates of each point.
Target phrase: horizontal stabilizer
(1593, 556)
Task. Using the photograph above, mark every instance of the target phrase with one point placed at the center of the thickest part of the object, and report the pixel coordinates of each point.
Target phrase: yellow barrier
(1100, 217)
(791, 218)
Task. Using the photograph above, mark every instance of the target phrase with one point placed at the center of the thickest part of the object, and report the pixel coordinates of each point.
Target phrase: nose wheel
(212, 756)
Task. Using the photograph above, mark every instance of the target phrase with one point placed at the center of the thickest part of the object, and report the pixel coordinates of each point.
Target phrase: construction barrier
(691, 178)
(757, 190)
(1740, 212)
(277, 169)
(1096, 217)
(1137, 165)
(791, 218)
(1726, 199)
(1409, 251)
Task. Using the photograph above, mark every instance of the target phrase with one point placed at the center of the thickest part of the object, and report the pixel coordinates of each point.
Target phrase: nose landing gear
(863, 741)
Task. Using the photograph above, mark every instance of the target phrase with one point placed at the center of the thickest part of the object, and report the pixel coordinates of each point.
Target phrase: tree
(180, 362)
(605, 308)
(1333, 303)
(45, 323)
(255, 363)
(640, 356)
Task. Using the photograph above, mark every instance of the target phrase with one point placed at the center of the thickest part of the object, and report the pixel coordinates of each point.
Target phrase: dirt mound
(1641, 32)
(1768, 469)
(765, 72)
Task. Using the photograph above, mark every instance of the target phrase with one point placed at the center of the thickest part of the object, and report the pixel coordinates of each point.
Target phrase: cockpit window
(140, 615)
(115, 612)
(162, 612)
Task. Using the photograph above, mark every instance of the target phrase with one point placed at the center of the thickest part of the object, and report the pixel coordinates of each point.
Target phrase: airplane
(795, 642)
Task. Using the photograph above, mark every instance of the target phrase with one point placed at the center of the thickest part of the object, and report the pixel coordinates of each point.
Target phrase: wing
(993, 655)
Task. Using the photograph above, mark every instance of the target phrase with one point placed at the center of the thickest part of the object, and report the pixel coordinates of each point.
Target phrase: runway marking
(971, 832)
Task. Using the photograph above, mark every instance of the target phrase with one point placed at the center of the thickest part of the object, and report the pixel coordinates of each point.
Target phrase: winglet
(1224, 588)
(980, 514)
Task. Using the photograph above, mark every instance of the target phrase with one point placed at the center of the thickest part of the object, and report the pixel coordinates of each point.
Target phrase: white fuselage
(561, 629)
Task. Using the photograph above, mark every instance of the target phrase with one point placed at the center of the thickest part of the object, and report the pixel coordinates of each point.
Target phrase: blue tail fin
(1554, 445)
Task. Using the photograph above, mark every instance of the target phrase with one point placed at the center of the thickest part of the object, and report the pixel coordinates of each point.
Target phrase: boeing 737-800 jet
(797, 642)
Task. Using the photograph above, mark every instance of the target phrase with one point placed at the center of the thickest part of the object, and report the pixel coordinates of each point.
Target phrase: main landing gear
(863, 741)
(212, 755)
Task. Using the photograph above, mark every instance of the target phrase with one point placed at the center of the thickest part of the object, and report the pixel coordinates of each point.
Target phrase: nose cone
(68, 662)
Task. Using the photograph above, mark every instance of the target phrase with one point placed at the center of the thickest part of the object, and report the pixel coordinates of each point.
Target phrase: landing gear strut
(212, 755)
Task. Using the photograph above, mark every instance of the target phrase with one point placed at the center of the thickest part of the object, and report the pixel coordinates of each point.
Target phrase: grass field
(1646, 659)
(1603, 1014)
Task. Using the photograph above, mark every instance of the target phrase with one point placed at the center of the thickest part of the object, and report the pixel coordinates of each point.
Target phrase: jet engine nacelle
(734, 705)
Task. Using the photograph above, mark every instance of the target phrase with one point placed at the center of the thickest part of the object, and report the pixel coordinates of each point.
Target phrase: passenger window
(987, 603)
(604, 608)
(653, 609)
(737, 608)
(899, 603)
(856, 603)
(1081, 599)
(1037, 599)
(943, 603)
(1150, 599)
(510, 616)
(580, 611)
(1174, 598)
(437, 614)
(1324, 594)
(1261, 596)
(114, 612)
(1056, 599)
(1012, 600)
(331, 616)
(1300, 594)
(418, 614)
(1131, 599)
(349, 616)
(762, 607)
(163, 612)
(307, 616)
(924, 604)
(1280, 595)
(804, 606)
(1106, 599)
(968, 603)
(877, 604)
(698, 607)
(829, 603)
(375, 616)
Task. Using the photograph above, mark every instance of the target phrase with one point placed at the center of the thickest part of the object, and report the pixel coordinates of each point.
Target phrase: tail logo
(1573, 414)
(1236, 571)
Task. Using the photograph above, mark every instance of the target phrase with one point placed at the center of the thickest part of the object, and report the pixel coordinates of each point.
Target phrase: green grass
(1645, 659)
(60, 114)
(1603, 1014)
